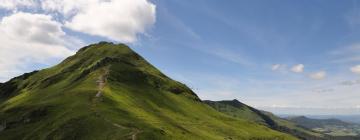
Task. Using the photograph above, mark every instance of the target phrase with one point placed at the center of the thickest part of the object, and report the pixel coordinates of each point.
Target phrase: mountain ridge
(317, 122)
(106, 90)
(238, 109)
(299, 129)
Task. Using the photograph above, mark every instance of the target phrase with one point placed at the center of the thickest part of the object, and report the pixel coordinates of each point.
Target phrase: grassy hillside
(239, 110)
(107, 91)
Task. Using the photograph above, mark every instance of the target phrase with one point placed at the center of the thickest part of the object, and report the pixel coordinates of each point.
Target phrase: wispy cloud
(178, 24)
(347, 59)
(353, 16)
(324, 90)
(347, 54)
(299, 68)
(282, 68)
(230, 56)
(196, 41)
(355, 69)
(275, 67)
(350, 82)
(318, 75)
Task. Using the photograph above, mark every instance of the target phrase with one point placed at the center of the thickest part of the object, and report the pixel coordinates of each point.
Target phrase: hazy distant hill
(334, 127)
(315, 123)
(345, 118)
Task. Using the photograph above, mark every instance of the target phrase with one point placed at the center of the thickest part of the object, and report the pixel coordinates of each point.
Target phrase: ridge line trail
(101, 82)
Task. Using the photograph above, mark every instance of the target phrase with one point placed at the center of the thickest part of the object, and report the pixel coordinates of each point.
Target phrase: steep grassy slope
(239, 110)
(107, 91)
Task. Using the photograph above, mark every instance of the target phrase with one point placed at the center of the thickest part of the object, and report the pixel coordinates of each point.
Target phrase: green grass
(138, 100)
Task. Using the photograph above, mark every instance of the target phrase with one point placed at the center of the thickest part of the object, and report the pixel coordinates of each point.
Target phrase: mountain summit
(107, 91)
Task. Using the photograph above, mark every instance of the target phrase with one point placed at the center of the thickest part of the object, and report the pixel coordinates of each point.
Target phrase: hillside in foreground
(107, 91)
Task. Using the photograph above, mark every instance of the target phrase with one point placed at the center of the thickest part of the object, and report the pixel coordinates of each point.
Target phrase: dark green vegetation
(332, 127)
(107, 91)
(239, 110)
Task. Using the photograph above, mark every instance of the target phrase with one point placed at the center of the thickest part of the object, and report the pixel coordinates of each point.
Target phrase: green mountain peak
(108, 91)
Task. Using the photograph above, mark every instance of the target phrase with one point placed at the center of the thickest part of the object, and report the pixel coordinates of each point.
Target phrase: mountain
(107, 91)
(334, 127)
(237, 109)
(345, 118)
(316, 123)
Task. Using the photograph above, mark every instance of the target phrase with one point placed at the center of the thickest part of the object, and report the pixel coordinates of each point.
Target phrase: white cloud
(299, 68)
(318, 75)
(280, 68)
(119, 20)
(275, 67)
(355, 69)
(357, 106)
(14, 4)
(66, 7)
(38, 38)
(32, 27)
(30, 39)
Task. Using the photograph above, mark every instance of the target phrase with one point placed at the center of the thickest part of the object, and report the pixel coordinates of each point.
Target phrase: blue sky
(282, 56)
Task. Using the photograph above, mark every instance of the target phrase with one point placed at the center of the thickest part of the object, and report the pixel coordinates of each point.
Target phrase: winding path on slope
(101, 82)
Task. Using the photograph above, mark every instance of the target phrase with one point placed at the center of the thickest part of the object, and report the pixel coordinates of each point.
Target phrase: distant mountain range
(346, 118)
(299, 126)
(239, 110)
(316, 123)
(334, 127)
(108, 91)
(315, 111)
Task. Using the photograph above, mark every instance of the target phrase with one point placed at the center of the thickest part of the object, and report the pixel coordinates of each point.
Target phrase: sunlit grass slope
(136, 102)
